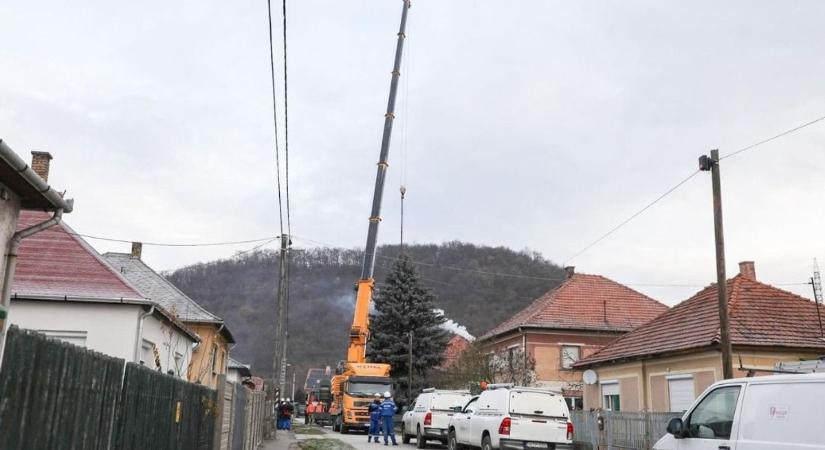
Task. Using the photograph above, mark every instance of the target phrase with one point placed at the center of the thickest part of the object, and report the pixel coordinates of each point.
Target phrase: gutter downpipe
(11, 264)
(139, 330)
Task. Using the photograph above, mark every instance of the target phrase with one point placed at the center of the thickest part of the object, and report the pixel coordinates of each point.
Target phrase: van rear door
(537, 418)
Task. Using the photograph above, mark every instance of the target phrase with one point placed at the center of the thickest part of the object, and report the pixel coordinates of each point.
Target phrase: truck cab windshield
(367, 389)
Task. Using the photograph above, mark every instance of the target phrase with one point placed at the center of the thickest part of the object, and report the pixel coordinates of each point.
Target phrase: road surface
(359, 441)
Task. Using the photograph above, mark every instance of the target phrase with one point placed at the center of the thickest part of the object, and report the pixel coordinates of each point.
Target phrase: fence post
(219, 411)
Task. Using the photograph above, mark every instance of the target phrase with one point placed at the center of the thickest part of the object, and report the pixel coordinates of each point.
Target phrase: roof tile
(57, 263)
(585, 302)
(760, 315)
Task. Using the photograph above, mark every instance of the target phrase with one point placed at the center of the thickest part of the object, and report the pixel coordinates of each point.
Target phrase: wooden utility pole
(711, 164)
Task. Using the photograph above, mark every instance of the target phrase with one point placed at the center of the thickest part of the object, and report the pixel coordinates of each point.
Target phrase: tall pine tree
(403, 305)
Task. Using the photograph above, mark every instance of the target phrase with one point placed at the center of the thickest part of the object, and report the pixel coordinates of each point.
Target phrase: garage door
(681, 392)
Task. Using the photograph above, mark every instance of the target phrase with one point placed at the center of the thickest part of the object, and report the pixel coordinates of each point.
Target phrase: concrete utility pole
(711, 163)
(278, 360)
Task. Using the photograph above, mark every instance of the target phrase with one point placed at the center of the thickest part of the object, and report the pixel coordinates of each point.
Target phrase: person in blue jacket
(375, 418)
(388, 410)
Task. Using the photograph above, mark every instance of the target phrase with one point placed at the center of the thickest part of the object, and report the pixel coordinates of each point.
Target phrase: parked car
(513, 418)
(780, 412)
(429, 416)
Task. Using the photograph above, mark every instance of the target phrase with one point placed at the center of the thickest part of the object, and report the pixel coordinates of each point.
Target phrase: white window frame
(146, 348)
(611, 384)
(562, 357)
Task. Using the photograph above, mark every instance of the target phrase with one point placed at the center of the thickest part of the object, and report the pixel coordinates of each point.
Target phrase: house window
(147, 354)
(574, 403)
(214, 358)
(680, 392)
(511, 357)
(570, 354)
(72, 337)
(178, 362)
(610, 396)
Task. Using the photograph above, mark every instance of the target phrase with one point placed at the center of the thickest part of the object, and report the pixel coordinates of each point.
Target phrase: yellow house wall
(650, 392)
(200, 369)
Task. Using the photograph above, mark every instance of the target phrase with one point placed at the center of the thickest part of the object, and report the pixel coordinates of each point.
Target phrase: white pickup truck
(512, 418)
(429, 417)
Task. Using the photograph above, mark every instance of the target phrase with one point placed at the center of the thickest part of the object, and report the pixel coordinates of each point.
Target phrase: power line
(679, 184)
(286, 125)
(178, 244)
(275, 116)
(633, 216)
(765, 141)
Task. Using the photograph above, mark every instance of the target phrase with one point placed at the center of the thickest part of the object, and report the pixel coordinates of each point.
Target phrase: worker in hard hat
(375, 418)
(388, 410)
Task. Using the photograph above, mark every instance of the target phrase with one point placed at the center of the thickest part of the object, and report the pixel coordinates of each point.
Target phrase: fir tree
(403, 305)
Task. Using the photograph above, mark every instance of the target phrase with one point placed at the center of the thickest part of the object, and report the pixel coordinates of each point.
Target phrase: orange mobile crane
(357, 381)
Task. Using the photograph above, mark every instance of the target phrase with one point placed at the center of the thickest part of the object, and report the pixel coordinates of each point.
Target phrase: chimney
(40, 164)
(137, 249)
(747, 270)
(569, 271)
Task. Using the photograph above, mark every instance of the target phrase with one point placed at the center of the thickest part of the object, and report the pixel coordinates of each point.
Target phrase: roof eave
(50, 199)
(585, 364)
(523, 327)
(80, 299)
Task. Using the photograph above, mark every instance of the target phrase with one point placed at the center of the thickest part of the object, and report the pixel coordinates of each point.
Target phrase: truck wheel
(405, 438)
(420, 442)
(452, 442)
(486, 443)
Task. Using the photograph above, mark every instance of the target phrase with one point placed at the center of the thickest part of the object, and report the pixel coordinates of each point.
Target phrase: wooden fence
(242, 417)
(59, 396)
(621, 430)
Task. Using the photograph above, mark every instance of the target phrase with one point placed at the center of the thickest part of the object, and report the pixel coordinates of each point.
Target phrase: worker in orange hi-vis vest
(311, 410)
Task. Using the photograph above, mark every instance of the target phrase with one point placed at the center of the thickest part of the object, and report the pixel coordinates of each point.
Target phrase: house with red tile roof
(23, 187)
(573, 320)
(666, 363)
(452, 352)
(65, 289)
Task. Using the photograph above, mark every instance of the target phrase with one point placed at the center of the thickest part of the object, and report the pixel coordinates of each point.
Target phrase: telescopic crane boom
(359, 333)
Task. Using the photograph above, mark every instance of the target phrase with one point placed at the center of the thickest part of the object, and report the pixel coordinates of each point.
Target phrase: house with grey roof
(210, 358)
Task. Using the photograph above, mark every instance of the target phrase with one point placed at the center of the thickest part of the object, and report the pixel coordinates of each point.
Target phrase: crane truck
(357, 381)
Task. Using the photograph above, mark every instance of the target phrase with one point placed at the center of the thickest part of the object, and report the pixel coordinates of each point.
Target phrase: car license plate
(536, 445)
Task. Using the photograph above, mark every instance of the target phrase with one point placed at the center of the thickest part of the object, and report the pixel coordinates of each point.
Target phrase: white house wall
(169, 341)
(108, 328)
(9, 212)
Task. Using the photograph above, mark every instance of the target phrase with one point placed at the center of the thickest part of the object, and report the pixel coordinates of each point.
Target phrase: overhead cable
(765, 141)
(275, 117)
(177, 244)
(286, 124)
(633, 216)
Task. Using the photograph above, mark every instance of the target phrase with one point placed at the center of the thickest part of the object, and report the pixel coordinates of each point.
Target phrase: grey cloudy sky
(532, 124)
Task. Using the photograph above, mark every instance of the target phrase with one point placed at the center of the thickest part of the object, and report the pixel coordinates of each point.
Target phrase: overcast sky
(532, 124)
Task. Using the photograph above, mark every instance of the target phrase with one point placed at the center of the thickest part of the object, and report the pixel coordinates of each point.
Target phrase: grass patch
(308, 430)
(324, 444)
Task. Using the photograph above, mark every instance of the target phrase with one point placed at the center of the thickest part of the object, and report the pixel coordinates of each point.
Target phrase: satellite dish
(590, 377)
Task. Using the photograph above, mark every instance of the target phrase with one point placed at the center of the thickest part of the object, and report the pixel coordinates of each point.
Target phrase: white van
(513, 418)
(429, 417)
(779, 412)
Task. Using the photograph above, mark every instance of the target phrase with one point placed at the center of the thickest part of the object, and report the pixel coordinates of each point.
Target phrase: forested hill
(242, 289)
